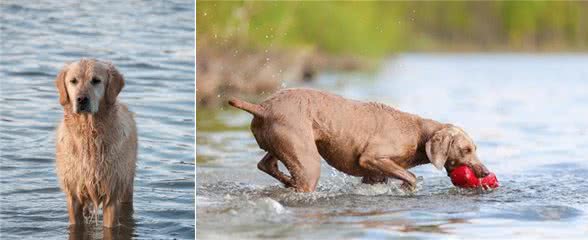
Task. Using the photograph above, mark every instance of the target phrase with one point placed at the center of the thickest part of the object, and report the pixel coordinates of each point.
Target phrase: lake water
(528, 115)
(152, 44)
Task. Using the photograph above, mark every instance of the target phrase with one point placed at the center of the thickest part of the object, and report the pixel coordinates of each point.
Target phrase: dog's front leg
(110, 215)
(374, 180)
(127, 199)
(75, 210)
(388, 167)
(407, 186)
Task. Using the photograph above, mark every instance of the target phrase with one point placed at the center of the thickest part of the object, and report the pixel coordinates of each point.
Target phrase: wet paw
(374, 180)
(408, 187)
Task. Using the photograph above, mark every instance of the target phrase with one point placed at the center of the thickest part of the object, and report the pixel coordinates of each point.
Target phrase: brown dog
(96, 141)
(370, 140)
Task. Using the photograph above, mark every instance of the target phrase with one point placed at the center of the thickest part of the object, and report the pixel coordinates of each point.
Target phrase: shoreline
(223, 72)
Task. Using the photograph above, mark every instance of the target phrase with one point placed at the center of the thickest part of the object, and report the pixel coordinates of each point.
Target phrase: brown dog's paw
(408, 187)
(374, 180)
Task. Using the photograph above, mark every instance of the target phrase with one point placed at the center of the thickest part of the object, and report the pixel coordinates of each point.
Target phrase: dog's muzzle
(83, 105)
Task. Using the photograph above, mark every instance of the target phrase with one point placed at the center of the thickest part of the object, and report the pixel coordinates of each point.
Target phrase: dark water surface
(151, 42)
(527, 113)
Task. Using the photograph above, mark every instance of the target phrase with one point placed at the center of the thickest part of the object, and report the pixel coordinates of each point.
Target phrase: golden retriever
(96, 145)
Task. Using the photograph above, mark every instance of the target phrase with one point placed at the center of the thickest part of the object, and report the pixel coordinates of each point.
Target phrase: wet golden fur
(95, 152)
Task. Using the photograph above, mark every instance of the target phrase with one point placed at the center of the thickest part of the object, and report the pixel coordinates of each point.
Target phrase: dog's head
(87, 84)
(452, 147)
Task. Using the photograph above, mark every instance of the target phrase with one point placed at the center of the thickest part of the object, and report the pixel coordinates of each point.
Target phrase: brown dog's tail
(254, 109)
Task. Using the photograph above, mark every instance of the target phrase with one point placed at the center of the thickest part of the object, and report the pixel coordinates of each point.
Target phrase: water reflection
(94, 230)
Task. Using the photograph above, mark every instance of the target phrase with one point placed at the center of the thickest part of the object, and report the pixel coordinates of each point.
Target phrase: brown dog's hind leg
(296, 148)
(305, 170)
(388, 167)
(269, 165)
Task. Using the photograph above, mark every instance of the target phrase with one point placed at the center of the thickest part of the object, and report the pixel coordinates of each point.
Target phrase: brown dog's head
(86, 84)
(452, 147)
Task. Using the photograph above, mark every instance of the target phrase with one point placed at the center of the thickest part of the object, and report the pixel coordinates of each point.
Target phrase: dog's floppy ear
(60, 84)
(437, 147)
(114, 85)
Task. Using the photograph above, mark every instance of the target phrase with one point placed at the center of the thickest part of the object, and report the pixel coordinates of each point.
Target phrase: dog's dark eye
(73, 81)
(95, 81)
(467, 150)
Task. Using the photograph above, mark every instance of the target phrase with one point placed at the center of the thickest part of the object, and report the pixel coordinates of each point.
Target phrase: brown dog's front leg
(374, 180)
(269, 165)
(408, 186)
(75, 210)
(388, 167)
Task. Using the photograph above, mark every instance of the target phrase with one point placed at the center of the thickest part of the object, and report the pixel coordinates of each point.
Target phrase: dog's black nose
(83, 100)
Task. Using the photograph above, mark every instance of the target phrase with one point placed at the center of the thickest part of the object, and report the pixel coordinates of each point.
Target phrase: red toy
(464, 177)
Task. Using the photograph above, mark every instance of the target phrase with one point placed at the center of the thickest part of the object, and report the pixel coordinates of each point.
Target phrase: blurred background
(513, 75)
(292, 41)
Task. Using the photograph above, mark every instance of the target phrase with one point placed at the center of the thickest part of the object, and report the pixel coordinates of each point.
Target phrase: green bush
(381, 28)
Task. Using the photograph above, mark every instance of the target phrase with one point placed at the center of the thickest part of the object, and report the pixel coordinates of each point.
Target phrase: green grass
(207, 119)
(383, 28)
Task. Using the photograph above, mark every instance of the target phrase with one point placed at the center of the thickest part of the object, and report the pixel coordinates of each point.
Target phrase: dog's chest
(88, 152)
(86, 164)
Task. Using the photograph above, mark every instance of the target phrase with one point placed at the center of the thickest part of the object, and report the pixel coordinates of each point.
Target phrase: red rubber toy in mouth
(464, 177)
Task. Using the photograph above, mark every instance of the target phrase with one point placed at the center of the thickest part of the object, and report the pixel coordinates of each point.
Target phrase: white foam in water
(269, 205)
(203, 201)
(390, 188)
(376, 189)
(262, 207)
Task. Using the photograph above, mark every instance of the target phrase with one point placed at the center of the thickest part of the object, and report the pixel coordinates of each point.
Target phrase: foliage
(381, 28)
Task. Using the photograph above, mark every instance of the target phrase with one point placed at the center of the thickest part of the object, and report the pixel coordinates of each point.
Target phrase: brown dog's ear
(60, 84)
(437, 147)
(114, 85)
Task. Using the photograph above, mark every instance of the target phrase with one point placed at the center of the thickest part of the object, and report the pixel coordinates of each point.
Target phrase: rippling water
(151, 42)
(527, 113)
